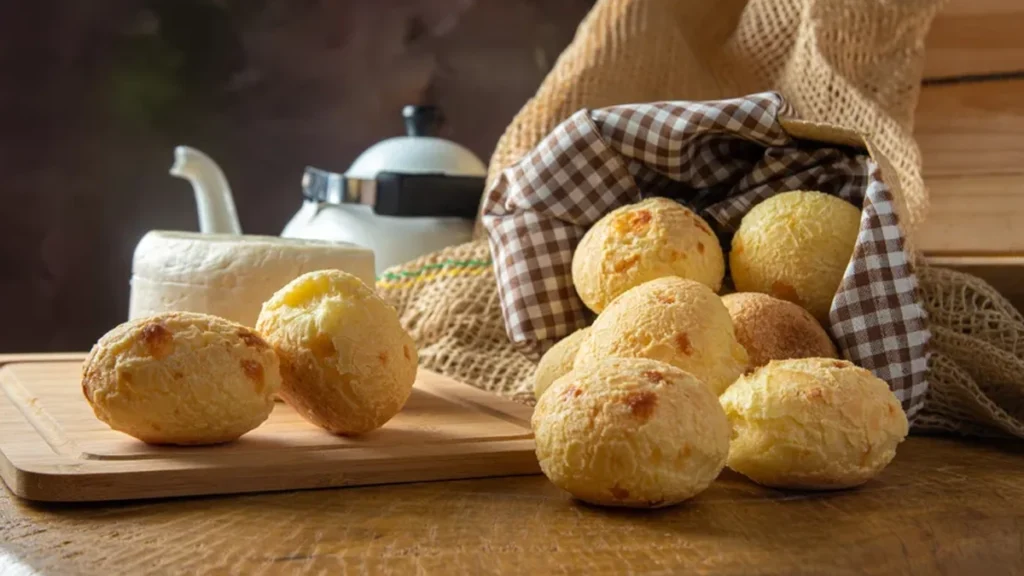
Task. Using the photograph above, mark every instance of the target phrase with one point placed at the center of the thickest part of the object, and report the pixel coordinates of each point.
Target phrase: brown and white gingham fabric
(719, 158)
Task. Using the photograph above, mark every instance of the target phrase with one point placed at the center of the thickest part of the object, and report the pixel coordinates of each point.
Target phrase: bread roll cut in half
(181, 378)
(773, 329)
(677, 321)
(796, 246)
(347, 365)
(813, 423)
(630, 432)
(640, 242)
(557, 361)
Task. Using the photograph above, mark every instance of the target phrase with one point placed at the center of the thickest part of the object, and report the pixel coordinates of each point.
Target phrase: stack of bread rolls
(673, 381)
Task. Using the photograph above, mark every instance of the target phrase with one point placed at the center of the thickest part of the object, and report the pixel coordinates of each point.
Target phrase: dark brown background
(95, 95)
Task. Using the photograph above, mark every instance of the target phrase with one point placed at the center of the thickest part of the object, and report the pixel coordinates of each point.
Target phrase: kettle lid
(418, 152)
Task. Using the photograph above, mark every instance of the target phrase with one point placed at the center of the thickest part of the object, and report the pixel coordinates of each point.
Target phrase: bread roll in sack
(674, 320)
(773, 329)
(796, 246)
(640, 242)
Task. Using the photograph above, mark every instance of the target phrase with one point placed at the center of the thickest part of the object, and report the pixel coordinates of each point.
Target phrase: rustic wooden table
(944, 506)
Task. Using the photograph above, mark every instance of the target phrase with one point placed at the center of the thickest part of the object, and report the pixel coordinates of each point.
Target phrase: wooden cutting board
(52, 447)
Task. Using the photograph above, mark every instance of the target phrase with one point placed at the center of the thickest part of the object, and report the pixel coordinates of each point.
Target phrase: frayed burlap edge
(977, 374)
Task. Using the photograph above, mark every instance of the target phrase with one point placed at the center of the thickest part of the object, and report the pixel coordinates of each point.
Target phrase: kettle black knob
(422, 120)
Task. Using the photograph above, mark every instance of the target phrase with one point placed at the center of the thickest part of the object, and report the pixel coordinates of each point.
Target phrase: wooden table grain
(943, 506)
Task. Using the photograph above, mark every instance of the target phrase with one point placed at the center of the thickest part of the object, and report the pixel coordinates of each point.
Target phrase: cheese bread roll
(557, 361)
(774, 329)
(181, 378)
(640, 242)
(631, 432)
(347, 364)
(674, 320)
(813, 423)
(796, 246)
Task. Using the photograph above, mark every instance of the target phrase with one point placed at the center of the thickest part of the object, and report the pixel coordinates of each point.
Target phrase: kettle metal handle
(397, 194)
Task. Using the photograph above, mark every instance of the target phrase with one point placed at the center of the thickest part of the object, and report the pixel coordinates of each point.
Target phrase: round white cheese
(229, 276)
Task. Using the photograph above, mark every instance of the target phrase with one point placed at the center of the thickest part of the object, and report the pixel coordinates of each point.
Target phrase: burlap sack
(852, 63)
(448, 301)
(720, 158)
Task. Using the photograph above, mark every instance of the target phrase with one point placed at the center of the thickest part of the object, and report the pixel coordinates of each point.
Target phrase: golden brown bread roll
(812, 423)
(640, 242)
(347, 365)
(630, 432)
(673, 320)
(557, 361)
(796, 246)
(181, 378)
(773, 329)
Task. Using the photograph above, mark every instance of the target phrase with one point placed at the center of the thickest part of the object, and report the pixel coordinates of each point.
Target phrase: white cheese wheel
(229, 276)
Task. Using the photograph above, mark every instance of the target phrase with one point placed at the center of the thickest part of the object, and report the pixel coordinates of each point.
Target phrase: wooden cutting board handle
(42, 357)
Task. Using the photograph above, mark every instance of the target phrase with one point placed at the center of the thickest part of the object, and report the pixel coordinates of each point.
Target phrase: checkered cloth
(719, 158)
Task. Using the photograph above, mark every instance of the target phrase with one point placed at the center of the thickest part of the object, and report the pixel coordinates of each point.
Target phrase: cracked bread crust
(181, 378)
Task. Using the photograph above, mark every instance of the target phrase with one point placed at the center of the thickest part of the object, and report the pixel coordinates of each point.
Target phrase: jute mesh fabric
(977, 372)
(448, 301)
(852, 63)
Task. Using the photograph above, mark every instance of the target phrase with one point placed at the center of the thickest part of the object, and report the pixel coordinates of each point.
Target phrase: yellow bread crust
(812, 423)
(181, 378)
(630, 432)
(557, 361)
(640, 242)
(796, 246)
(774, 329)
(677, 321)
(347, 364)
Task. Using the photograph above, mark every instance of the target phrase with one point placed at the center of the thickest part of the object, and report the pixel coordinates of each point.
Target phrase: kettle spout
(214, 202)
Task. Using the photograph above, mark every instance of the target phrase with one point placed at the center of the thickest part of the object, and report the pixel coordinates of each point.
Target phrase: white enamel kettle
(404, 197)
